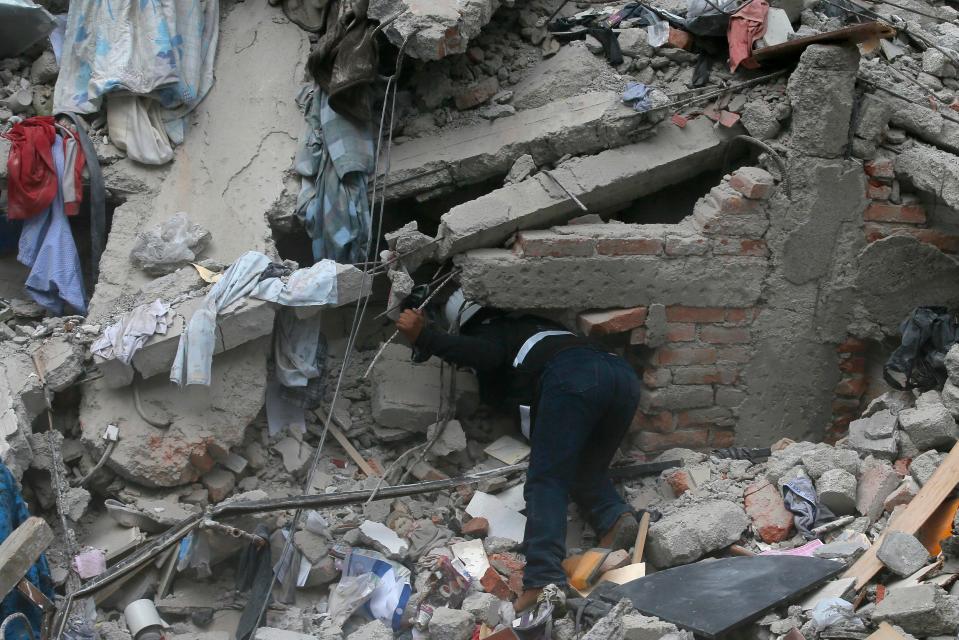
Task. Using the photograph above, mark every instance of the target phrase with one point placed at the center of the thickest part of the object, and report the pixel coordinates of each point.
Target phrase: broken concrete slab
(688, 535)
(62, 363)
(579, 125)
(22, 400)
(406, 395)
(602, 181)
(201, 420)
(861, 434)
(433, 30)
(824, 81)
(877, 481)
(902, 553)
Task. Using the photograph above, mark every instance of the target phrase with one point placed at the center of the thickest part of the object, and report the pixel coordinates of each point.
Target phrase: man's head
(459, 310)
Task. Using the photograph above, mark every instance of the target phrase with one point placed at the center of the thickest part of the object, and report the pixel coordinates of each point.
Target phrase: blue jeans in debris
(587, 401)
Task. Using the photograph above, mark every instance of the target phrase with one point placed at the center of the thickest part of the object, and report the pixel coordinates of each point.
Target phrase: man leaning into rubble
(576, 402)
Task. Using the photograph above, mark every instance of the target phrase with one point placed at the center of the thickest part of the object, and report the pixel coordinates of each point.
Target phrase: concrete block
(501, 279)
(902, 553)
(923, 610)
(607, 179)
(636, 626)
(859, 440)
(837, 490)
(876, 482)
(62, 363)
(820, 91)
(689, 534)
(770, 518)
(220, 484)
(825, 458)
(483, 607)
(903, 494)
(406, 395)
(450, 624)
(924, 466)
(930, 426)
(433, 30)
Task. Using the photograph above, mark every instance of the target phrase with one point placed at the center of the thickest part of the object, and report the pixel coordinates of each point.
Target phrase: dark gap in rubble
(427, 213)
(80, 226)
(293, 243)
(670, 204)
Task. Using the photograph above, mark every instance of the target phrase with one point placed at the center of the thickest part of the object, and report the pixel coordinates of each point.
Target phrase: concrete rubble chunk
(689, 534)
(610, 626)
(876, 482)
(821, 91)
(770, 518)
(923, 610)
(220, 484)
(933, 171)
(924, 466)
(636, 626)
(62, 363)
(296, 454)
(375, 630)
(903, 494)
(845, 548)
(484, 607)
(433, 30)
(952, 363)
(272, 633)
(825, 458)
(902, 553)
(450, 624)
(406, 395)
(880, 422)
(837, 491)
(930, 426)
(950, 397)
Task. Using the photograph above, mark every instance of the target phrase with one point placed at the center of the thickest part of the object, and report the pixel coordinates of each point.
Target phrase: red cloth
(31, 176)
(746, 26)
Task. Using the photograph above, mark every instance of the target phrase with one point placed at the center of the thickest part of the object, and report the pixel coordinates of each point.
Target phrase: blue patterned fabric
(334, 160)
(161, 48)
(13, 513)
(47, 247)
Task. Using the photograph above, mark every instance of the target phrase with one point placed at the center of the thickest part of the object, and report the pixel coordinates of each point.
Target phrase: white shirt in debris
(123, 338)
(315, 286)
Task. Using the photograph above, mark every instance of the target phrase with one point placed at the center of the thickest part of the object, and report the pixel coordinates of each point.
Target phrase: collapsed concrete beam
(609, 179)
(22, 399)
(436, 29)
(579, 125)
(242, 322)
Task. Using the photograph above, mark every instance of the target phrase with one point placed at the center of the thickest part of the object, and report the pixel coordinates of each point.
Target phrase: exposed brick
(853, 365)
(729, 396)
(637, 336)
(661, 422)
(753, 182)
(722, 438)
(494, 583)
(476, 527)
(707, 417)
(882, 168)
(679, 120)
(685, 396)
(740, 247)
(852, 345)
(888, 212)
(680, 332)
(878, 191)
(690, 438)
(724, 335)
(845, 407)
(947, 242)
(764, 505)
(476, 94)
(696, 375)
(739, 317)
(679, 39)
(852, 387)
(677, 313)
(630, 247)
(600, 323)
(685, 355)
(681, 245)
(728, 201)
(537, 245)
(739, 355)
(655, 378)
(679, 481)
(728, 119)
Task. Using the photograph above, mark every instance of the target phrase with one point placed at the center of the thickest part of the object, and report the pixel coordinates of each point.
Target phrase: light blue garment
(334, 161)
(194, 354)
(159, 48)
(47, 247)
(312, 287)
(638, 96)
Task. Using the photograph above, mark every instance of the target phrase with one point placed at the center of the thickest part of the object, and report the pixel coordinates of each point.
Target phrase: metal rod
(568, 192)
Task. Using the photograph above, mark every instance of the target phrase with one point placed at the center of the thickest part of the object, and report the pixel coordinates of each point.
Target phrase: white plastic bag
(169, 246)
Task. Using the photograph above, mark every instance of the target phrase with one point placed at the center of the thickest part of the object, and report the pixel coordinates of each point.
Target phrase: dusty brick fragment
(494, 583)
(753, 182)
(599, 323)
(476, 94)
(889, 212)
(882, 168)
(478, 527)
(771, 520)
(851, 387)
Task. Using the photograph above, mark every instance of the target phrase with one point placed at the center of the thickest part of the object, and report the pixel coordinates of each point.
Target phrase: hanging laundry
(162, 52)
(32, 176)
(47, 247)
(746, 26)
(122, 339)
(334, 159)
(74, 160)
(13, 513)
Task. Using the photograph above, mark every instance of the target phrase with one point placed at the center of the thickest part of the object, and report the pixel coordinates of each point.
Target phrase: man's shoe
(622, 535)
(527, 600)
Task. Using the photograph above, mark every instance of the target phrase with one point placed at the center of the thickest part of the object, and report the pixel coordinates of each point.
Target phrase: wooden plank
(352, 452)
(641, 538)
(20, 550)
(926, 502)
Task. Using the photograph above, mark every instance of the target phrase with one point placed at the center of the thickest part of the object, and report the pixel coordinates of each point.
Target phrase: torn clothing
(746, 26)
(334, 160)
(122, 339)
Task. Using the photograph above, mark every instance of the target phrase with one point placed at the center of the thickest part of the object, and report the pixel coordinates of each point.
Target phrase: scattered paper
(206, 274)
(473, 556)
(513, 497)
(503, 521)
(90, 563)
(508, 449)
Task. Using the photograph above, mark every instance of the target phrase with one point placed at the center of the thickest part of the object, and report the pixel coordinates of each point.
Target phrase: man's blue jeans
(587, 401)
